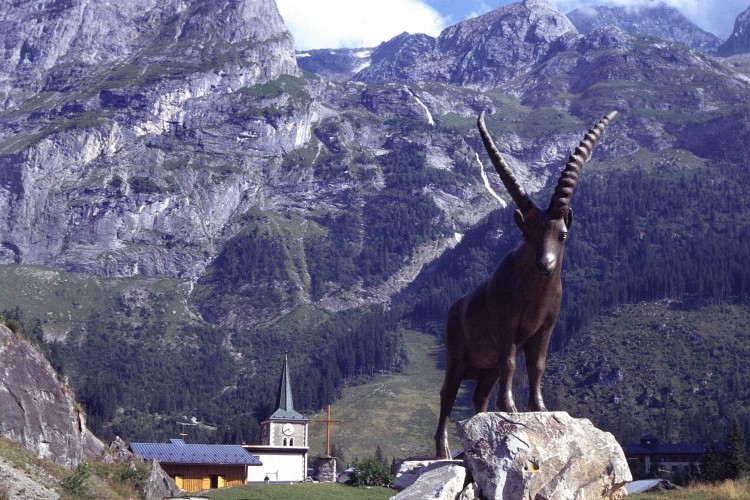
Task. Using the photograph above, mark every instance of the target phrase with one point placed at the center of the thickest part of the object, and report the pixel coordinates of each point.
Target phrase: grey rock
(542, 455)
(470, 492)
(37, 411)
(30, 482)
(53, 45)
(739, 41)
(442, 480)
(335, 64)
(158, 484)
(481, 52)
(664, 22)
(410, 470)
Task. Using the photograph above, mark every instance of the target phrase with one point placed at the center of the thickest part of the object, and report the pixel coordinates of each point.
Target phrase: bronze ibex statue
(516, 308)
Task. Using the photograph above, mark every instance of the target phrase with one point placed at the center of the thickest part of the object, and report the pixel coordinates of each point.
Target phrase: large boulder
(36, 410)
(542, 455)
(442, 480)
(157, 485)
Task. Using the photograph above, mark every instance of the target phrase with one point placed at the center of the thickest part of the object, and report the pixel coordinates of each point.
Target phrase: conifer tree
(735, 452)
(379, 455)
(711, 467)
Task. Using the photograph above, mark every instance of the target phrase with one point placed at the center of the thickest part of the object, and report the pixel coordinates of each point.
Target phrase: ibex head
(545, 231)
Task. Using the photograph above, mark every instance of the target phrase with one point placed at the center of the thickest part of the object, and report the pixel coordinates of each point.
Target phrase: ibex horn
(569, 176)
(522, 200)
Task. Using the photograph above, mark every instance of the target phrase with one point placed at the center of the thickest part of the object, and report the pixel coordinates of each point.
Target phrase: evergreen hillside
(180, 204)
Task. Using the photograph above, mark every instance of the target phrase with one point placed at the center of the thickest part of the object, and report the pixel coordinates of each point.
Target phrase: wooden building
(283, 447)
(669, 457)
(196, 467)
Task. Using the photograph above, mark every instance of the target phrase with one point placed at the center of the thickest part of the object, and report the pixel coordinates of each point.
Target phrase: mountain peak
(661, 21)
(739, 41)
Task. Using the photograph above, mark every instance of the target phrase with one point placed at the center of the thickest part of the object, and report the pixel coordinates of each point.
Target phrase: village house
(670, 457)
(196, 467)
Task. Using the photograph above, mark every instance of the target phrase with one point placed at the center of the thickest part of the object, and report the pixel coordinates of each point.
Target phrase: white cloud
(356, 23)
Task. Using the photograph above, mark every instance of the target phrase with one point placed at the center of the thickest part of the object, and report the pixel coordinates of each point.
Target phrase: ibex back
(516, 308)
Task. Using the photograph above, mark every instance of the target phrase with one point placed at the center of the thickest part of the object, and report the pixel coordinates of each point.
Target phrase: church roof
(284, 403)
(177, 452)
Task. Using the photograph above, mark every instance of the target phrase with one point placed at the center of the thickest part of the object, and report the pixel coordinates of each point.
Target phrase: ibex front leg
(507, 369)
(536, 358)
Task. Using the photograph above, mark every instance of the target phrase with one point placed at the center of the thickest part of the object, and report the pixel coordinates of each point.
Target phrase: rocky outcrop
(393, 60)
(31, 481)
(481, 52)
(542, 455)
(82, 185)
(335, 64)
(36, 411)
(539, 455)
(441, 480)
(48, 45)
(739, 41)
(157, 484)
(664, 22)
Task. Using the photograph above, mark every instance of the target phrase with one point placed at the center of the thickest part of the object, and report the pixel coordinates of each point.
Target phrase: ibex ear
(569, 218)
(519, 219)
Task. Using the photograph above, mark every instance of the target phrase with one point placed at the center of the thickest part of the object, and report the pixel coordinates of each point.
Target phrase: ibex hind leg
(485, 383)
(448, 394)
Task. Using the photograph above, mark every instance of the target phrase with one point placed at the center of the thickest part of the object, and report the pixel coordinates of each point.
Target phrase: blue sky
(363, 23)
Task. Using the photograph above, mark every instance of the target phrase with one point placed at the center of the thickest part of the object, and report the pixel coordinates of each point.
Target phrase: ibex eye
(563, 235)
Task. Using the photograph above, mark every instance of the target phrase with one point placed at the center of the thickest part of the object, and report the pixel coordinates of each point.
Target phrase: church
(283, 444)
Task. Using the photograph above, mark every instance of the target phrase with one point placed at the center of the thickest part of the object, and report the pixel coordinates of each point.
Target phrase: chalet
(196, 467)
(671, 457)
(283, 443)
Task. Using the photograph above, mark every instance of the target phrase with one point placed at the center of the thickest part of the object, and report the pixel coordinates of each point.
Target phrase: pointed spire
(284, 402)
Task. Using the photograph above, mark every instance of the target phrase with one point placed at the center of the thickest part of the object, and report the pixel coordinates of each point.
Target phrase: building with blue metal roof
(196, 467)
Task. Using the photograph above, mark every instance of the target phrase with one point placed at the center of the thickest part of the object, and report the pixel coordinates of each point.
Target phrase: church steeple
(284, 403)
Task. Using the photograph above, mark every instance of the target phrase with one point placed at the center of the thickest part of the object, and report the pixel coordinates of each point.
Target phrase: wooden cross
(328, 423)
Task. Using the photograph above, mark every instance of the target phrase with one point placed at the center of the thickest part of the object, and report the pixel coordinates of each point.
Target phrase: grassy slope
(398, 412)
(104, 482)
(63, 300)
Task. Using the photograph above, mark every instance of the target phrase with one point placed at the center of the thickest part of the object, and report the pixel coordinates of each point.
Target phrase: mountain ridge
(661, 21)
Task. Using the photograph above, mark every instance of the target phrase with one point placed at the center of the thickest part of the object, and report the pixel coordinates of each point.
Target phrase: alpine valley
(183, 198)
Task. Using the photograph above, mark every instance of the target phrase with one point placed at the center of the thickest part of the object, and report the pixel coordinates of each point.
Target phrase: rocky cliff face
(37, 411)
(57, 44)
(664, 22)
(140, 139)
(335, 64)
(84, 186)
(482, 52)
(739, 41)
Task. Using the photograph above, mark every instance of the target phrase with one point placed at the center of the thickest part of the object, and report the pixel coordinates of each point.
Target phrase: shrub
(75, 483)
(371, 472)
